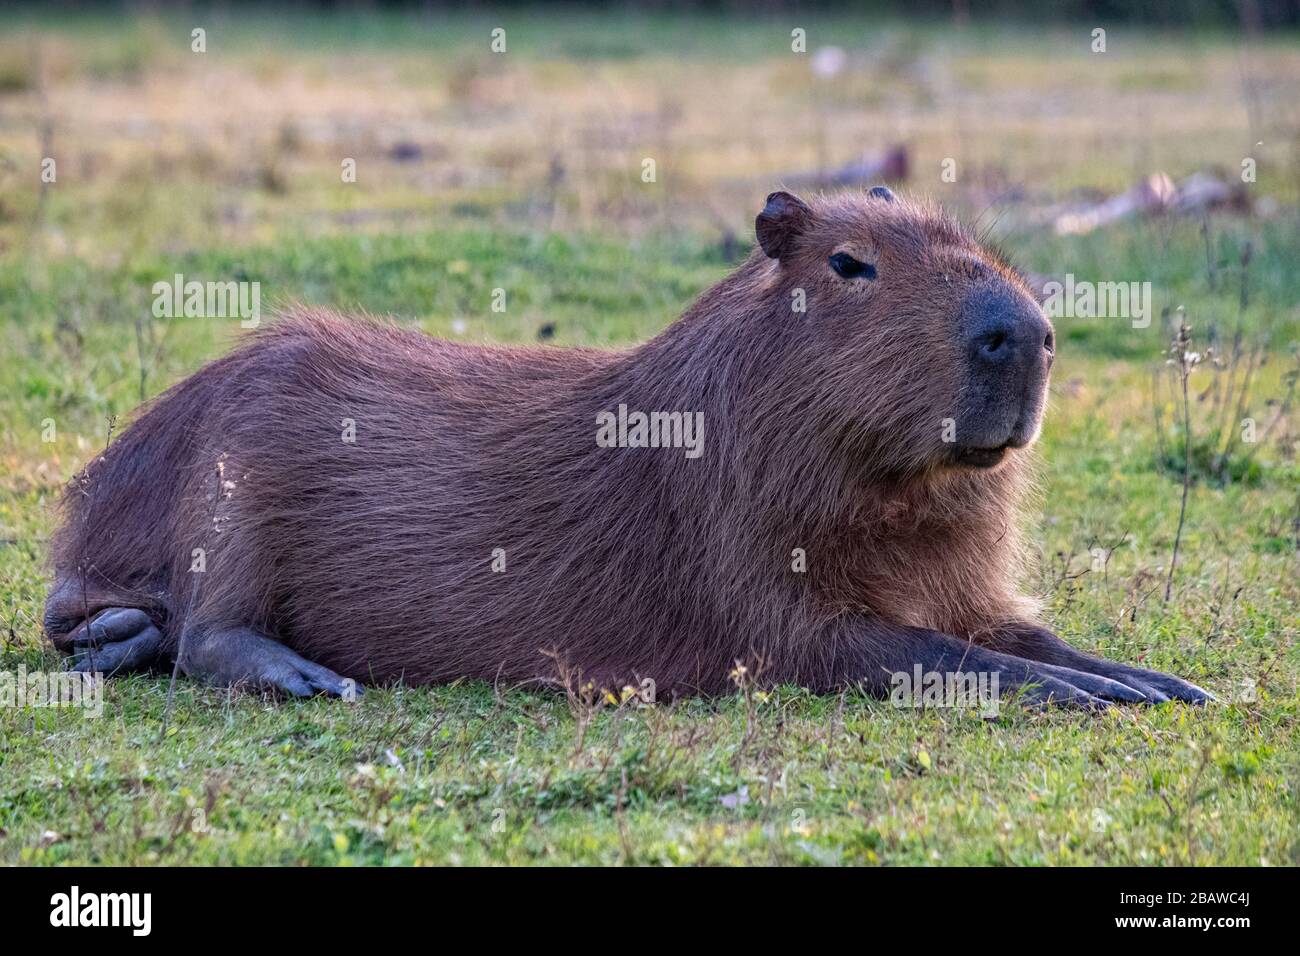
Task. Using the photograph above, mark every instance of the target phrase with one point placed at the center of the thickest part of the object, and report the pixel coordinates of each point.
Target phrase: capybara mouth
(982, 457)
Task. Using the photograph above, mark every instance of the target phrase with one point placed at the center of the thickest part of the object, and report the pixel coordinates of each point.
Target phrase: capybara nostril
(1049, 343)
(993, 345)
(995, 340)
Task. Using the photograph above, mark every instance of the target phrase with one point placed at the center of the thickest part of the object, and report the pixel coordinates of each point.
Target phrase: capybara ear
(781, 221)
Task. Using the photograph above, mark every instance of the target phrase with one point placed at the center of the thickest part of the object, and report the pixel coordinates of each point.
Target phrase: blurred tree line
(1249, 15)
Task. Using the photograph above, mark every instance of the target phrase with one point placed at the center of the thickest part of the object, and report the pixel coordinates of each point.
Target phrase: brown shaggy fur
(822, 433)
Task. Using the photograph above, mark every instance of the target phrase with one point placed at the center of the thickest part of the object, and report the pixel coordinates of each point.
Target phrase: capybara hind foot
(1039, 644)
(241, 657)
(118, 640)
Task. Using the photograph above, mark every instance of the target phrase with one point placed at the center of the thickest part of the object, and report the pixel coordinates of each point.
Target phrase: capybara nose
(1005, 328)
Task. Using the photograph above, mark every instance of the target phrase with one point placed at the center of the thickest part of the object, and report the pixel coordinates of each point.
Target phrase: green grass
(466, 774)
(458, 775)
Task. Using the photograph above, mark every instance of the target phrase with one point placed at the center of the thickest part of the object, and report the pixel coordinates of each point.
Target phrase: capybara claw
(302, 678)
(1096, 684)
(1159, 687)
(1174, 688)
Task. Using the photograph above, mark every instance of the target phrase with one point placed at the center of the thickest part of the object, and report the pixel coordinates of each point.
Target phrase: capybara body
(343, 498)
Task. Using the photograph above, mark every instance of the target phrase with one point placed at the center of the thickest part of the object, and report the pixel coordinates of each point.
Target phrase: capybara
(813, 473)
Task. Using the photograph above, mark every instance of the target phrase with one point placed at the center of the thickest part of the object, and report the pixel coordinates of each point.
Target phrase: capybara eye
(851, 268)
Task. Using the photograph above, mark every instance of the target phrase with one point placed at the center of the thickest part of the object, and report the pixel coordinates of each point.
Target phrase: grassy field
(522, 171)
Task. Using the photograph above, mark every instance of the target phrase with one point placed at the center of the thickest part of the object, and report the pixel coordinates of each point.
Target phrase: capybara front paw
(1030, 681)
(241, 657)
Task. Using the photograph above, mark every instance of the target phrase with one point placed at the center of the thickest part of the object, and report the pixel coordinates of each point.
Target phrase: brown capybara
(814, 472)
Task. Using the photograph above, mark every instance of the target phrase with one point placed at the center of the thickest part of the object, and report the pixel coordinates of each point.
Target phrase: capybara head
(927, 350)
